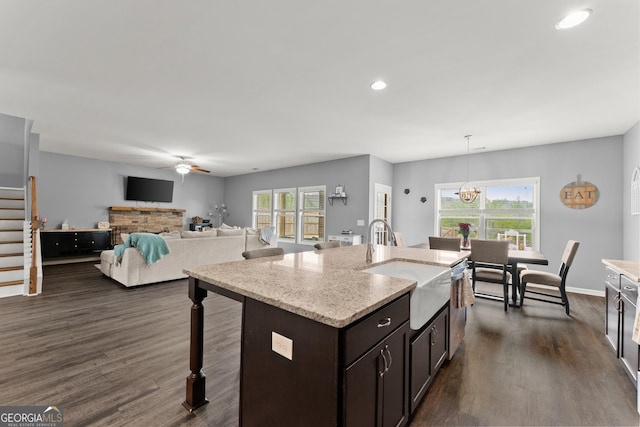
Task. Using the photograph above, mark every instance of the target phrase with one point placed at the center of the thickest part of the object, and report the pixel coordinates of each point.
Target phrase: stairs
(12, 242)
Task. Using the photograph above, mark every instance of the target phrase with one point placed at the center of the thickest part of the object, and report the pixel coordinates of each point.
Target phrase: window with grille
(297, 213)
(284, 209)
(312, 214)
(504, 210)
(261, 208)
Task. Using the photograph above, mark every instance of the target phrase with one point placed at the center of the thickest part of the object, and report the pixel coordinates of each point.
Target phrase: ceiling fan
(183, 167)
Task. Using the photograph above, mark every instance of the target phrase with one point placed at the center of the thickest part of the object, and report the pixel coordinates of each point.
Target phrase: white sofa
(192, 249)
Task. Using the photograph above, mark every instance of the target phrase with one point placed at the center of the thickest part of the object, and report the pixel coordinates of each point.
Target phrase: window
(312, 214)
(505, 210)
(284, 209)
(297, 213)
(261, 208)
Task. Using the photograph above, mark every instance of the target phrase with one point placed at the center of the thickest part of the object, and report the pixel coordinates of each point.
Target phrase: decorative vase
(465, 241)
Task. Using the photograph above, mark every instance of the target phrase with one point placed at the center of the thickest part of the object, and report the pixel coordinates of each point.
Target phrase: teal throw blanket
(151, 246)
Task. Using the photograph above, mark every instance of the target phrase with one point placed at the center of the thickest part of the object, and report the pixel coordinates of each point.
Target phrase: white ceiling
(239, 85)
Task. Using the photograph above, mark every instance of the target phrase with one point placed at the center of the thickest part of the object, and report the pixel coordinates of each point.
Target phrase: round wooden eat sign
(579, 194)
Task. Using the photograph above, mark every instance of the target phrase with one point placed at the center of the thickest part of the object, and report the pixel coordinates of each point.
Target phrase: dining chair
(550, 279)
(264, 252)
(398, 239)
(489, 263)
(444, 243)
(327, 245)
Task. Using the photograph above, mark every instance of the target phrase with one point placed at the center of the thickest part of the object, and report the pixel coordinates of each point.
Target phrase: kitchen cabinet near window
(629, 349)
(622, 279)
(612, 308)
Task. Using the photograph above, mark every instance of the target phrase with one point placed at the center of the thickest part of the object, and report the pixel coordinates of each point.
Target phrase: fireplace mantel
(140, 209)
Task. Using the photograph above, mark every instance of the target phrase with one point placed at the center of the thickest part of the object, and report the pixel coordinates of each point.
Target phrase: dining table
(515, 257)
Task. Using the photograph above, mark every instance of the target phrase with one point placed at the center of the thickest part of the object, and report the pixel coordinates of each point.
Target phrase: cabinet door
(101, 240)
(439, 341)
(84, 243)
(395, 401)
(50, 246)
(376, 385)
(67, 244)
(420, 366)
(363, 394)
(428, 352)
(612, 318)
(628, 348)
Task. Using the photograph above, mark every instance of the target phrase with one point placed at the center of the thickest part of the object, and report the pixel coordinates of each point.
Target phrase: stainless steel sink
(432, 291)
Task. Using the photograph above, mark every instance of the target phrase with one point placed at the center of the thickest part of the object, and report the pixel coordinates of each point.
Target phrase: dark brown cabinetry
(375, 385)
(612, 308)
(628, 348)
(621, 295)
(74, 243)
(429, 350)
(355, 376)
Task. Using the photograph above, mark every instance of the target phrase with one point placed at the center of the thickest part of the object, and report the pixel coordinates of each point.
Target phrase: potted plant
(465, 228)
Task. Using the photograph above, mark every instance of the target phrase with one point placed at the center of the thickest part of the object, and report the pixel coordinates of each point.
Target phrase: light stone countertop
(631, 269)
(326, 286)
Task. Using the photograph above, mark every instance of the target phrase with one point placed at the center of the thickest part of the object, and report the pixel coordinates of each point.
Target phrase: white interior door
(382, 210)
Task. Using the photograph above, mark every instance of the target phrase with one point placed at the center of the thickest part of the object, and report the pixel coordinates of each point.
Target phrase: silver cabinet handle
(386, 347)
(386, 365)
(382, 323)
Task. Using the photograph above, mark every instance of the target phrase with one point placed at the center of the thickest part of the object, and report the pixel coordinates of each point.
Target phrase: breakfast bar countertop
(327, 286)
(631, 269)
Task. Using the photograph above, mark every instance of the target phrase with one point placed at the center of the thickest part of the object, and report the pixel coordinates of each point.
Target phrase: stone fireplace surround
(134, 219)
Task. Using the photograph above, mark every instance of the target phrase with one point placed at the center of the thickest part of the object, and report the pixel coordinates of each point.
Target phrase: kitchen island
(315, 326)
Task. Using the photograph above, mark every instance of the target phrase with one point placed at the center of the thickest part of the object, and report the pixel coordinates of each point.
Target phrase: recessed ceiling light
(378, 85)
(573, 19)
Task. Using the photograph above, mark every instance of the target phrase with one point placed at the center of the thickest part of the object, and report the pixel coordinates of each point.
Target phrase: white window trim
(277, 212)
(301, 210)
(255, 210)
(535, 181)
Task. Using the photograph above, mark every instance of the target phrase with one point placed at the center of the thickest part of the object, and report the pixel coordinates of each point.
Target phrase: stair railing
(33, 272)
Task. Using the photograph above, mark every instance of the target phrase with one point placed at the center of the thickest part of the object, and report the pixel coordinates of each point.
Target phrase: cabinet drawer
(369, 331)
(612, 277)
(629, 288)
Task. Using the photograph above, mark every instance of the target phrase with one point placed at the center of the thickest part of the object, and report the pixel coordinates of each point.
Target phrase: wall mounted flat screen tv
(149, 190)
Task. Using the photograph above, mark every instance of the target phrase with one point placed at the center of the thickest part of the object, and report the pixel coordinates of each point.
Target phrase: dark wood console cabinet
(58, 244)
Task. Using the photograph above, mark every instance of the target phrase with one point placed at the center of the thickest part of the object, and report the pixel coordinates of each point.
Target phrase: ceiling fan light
(182, 168)
(573, 19)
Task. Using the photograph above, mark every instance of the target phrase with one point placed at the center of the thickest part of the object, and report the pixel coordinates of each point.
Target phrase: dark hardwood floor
(116, 356)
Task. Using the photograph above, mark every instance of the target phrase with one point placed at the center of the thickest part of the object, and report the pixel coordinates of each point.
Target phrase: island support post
(195, 396)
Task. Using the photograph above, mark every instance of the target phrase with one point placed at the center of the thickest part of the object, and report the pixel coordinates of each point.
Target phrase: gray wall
(598, 228)
(12, 147)
(81, 190)
(352, 173)
(631, 223)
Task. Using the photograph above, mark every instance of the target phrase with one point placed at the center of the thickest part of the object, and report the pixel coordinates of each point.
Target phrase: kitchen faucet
(370, 249)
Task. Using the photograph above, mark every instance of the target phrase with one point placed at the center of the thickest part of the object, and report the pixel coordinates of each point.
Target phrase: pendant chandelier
(467, 192)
